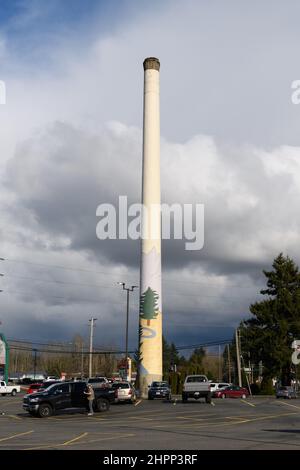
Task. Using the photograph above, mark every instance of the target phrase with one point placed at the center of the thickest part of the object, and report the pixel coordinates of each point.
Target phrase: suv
(98, 382)
(65, 395)
(124, 391)
(159, 390)
(286, 392)
(215, 386)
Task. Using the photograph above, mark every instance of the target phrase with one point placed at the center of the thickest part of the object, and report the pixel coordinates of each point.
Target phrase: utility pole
(229, 364)
(92, 320)
(82, 371)
(34, 364)
(238, 356)
(219, 354)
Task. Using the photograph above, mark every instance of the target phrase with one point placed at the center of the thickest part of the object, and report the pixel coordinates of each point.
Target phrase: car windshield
(159, 384)
(196, 378)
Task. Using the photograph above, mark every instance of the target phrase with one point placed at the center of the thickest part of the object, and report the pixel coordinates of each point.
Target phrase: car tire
(14, 393)
(45, 411)
(149, 397)
(244, 396)
(223, 396)
(102, 404)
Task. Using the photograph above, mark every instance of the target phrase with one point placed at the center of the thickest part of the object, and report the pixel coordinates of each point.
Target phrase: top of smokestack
(151, 63)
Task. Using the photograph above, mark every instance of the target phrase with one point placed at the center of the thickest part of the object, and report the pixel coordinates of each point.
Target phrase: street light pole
(128, 289)
(92, 320)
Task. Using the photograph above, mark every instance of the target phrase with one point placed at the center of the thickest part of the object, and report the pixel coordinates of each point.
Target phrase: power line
(51, 351)
(117, 275)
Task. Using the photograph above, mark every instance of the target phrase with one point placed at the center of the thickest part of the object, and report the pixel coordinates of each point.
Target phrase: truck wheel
(13, 393)
(150, 397)
(45, 411)
(208, 399)
(102, 404)
(184, 398)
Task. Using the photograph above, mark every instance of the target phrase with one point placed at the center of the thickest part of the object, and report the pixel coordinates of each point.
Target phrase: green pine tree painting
(149, 307)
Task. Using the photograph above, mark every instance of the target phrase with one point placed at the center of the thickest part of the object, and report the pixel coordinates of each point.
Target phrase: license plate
(197, 393)
(157, 393)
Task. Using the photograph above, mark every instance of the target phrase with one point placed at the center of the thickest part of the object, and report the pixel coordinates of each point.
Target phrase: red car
(232, 392)
(34, 388)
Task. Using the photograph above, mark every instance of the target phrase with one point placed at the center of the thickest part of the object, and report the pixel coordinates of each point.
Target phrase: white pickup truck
(196, 386)
(9, 389)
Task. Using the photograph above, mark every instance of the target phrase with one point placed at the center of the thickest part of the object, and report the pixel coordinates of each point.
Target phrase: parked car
(98, 382)
(34, 388)
(215, 386)
(286, 392)
(231, 392)
(124, 391)
(65, 395)
(159, 390)
(6, 389)
(196, 386)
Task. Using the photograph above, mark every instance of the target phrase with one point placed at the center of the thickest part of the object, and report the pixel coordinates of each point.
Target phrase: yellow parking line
(247, 402)
(289, 404)
(138, 402)
(15, 435)
(75, 439)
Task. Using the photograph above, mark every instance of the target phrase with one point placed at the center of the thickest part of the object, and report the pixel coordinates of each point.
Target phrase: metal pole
(126, 345)
(92, 320)
(219, 363)
(82, 371)
(34, 364)
(229, 365)
(238, 357)
(128, 289)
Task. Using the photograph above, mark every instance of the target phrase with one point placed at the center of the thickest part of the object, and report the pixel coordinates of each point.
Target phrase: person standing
(90, 396)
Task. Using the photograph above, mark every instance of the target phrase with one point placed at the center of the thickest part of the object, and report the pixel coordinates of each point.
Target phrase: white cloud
(70, 138)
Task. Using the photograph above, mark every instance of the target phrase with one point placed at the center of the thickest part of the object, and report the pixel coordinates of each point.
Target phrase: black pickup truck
(66, 395)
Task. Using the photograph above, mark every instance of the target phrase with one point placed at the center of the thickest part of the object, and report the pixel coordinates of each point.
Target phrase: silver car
(286, 392)
(124, 391)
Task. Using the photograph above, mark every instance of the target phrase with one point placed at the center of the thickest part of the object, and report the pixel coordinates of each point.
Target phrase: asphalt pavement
(254, 423)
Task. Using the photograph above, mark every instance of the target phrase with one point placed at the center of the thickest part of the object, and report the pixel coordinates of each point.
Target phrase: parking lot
(257, 423)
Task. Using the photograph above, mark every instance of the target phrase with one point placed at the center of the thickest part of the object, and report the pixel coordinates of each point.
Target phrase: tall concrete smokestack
(150, 324)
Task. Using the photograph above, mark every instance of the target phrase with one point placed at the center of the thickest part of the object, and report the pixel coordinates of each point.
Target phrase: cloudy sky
(70, 139)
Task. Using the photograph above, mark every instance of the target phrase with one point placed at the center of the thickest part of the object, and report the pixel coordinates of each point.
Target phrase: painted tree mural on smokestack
(149, 305)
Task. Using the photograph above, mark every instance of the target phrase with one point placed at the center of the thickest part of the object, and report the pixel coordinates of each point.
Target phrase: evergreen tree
(268, 335)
